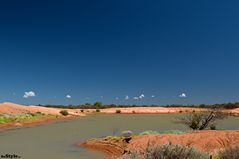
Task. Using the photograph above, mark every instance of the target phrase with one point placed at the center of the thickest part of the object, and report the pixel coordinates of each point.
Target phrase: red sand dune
(11, 108)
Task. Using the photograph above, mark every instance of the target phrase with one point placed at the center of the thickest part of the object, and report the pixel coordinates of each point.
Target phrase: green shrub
(98, 104)
(7, 119)
(82, 110)
(213, 127)
(64, 112)
(118, 111)
(151, 132)
(229, 153)
(37, 114)
(116, 138)
(148, 132)
(97, 110)
(167, 151)
(172, 132)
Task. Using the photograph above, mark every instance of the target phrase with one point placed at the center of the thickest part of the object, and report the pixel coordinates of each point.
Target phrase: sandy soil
(11, 108)
(234, 111)
(207, 141)
(150, 110)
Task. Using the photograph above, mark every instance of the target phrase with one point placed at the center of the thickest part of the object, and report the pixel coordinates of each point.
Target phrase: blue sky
(102, 50)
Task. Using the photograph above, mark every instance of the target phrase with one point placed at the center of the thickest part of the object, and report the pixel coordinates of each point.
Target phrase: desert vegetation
(97, 110)
(202, 120)
(100, 105)
(229, 153)
(151, 132)
(7, 118)
(167, 151)
(64, 112)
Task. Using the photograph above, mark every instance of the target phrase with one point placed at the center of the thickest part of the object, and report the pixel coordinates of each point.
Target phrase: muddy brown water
(56, 140)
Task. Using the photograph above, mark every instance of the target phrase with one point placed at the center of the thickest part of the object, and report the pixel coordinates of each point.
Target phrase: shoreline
(75, 113)
(209, 141)
(39, 121)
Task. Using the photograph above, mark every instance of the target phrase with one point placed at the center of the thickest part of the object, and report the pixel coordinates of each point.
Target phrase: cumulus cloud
(116, 98)
(136, 98)
(183, 95)
(141, 96)
(29, 94)
(152, 96)
(126, 98)
(68, 96)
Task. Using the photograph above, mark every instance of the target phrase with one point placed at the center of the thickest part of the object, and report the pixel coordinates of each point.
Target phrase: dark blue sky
(91, 48)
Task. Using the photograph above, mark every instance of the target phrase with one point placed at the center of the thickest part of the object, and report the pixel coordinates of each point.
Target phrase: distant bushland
(100, 105)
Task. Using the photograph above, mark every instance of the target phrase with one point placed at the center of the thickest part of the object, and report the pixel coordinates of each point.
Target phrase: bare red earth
(207, 141)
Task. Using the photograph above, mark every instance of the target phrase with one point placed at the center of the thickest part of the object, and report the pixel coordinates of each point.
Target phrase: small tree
(201, 120)
(98, 104)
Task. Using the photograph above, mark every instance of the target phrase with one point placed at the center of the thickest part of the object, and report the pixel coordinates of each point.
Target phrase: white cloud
(152, 96)
(136, 98)
(68, 96)
(141, 96)
(183, 95)
(101, 96)
(29, 94)
(117, 98)
(126, 98)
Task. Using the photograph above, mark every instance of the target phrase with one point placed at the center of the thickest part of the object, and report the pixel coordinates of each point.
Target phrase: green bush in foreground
(167, 151)
(229, 153)
(64, 112)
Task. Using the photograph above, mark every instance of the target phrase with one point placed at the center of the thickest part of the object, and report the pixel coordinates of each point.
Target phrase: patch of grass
(116, 138)
(151, 132)
(7, 118)
(173, 132)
